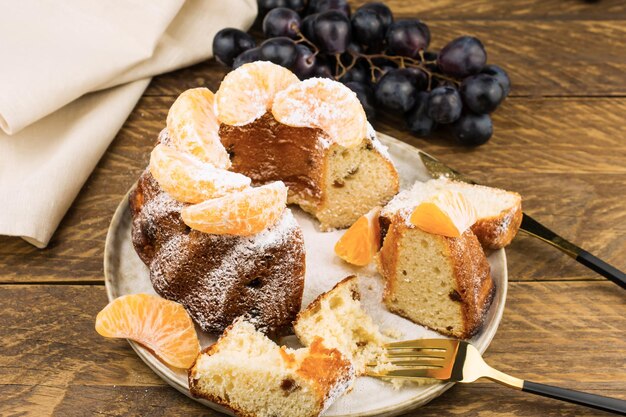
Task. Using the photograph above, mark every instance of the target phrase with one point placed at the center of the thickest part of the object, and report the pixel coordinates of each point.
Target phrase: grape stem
(401, 61)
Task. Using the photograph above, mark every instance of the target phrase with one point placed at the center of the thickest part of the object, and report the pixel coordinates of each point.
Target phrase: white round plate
(126, 274)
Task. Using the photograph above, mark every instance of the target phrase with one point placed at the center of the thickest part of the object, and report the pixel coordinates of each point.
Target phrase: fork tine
(405, 353)
(429, 364)
(406, 373)
(443, 344)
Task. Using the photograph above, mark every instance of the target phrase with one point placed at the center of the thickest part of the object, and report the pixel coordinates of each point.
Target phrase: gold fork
(459, 361)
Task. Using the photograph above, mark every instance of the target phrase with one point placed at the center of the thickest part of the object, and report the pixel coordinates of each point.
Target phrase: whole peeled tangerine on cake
(312, 135)
(254, 377)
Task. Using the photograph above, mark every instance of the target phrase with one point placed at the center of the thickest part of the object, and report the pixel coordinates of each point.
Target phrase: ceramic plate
(126, 274)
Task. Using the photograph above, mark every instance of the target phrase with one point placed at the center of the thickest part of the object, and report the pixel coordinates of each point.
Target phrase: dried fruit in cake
(161, 325)
(193, 127)
(244, 213)
(325, 104)
(447, 213)
(248, 92)
(361, 241)
(190, 180)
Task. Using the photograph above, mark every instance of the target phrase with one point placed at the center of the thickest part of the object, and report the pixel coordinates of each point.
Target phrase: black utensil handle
(599, 402)
(602, 268)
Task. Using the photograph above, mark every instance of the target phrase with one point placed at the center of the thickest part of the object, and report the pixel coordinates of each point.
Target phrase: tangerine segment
(243, 213)
(161, 325)
(193, 127)
(361, 241)
(325, 104)
(446, 213)
(248, 92)
(189, 180)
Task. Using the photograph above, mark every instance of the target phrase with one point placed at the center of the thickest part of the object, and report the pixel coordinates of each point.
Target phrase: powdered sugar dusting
(382, 149)
(248, 92)
(325, 104)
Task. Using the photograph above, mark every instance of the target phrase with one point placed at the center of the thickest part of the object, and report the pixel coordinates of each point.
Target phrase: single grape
(341, 6)
(367, 27)
(500, 75)
(229, 43)
(462, 57)
(382, 11)
(421, 78)
(407, 38)
(266, 5)
(322, 69)
(473, 129)
(481, 93)
(332, 32)
(281, 51)
(246, 57)
(396, 90)
(307, 27)
(360, 73)
(281, 22)
(365, 94)
(304, 64)
(417, 119)
(444, 104)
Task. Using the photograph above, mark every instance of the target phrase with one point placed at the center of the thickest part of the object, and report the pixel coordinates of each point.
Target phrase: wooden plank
(555, 58)
(505, 10)
(53, 362)
(565, 156)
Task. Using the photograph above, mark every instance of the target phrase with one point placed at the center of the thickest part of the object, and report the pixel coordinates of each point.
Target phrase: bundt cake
(209, 215)
(218, 278)
(437, 281)
(338, 318)
(251, 375)
(312, 135)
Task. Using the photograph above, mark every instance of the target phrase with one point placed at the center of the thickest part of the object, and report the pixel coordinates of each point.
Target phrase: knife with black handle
(534, 228)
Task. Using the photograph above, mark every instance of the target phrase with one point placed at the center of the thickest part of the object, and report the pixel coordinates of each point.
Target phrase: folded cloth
(55, 54)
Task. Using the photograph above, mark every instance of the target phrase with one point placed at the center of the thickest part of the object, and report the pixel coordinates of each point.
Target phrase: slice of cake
(312, 135)
(339, 319)
(248, 373)
(437, 281)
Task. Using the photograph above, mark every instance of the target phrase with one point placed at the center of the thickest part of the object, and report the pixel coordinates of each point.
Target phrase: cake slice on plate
(435, 270)
(248, 373)
(338, 318)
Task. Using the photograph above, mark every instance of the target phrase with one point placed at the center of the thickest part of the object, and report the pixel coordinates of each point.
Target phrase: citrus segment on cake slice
(247, 93)
(193, 127)
(361, 241)
(446, 213)
(161, 325)
(324, 104)
(242, 213)
(190, 180)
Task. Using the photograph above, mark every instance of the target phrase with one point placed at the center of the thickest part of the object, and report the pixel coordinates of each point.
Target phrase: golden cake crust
(497, 232)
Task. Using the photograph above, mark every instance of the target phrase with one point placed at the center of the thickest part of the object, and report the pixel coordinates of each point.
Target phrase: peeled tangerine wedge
(243, 213)
(248, 92)
(361, 241)
(189, 180)
(446, 213)
(193, 127)
(161, 325)
(325, 104)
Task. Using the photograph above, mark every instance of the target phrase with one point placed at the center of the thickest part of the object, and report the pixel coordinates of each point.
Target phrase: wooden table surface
(560, 140)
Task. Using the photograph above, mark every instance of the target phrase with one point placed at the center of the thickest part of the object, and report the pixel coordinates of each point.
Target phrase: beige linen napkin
(55, 55)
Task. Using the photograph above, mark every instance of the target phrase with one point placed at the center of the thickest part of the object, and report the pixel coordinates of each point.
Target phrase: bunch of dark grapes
(386, 62)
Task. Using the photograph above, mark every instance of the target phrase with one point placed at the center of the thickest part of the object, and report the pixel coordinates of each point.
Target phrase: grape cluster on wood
(386, 62)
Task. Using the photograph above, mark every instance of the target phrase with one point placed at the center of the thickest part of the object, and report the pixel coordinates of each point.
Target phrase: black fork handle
(612, 405)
